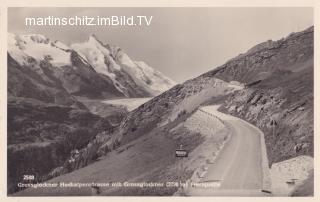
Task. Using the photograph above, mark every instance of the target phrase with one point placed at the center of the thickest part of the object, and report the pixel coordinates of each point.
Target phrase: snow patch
(130, 104)
(209, 90)
(203, 123)
(94, 53)
(236, 85)
(146, 77)
(38, 47)
(97, 54)
(61, 45)
(154, 79)
(213, 109)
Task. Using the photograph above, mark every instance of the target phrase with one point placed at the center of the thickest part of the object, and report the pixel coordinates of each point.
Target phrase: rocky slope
(281, 101)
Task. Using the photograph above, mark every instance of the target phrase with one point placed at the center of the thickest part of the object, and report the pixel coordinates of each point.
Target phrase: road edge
(266, 179)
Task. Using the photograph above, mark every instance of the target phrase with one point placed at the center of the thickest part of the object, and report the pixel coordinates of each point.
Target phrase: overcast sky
(180, 42)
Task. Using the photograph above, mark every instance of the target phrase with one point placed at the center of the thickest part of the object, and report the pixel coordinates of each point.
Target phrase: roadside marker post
(273, 124)
(180, 154)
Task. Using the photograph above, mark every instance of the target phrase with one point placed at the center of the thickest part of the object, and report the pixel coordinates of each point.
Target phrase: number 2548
(28, 177)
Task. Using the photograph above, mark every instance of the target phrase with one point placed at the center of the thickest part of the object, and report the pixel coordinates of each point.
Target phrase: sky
(182, 43)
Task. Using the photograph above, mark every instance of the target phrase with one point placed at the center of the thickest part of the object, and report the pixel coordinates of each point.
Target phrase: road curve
(238, 167)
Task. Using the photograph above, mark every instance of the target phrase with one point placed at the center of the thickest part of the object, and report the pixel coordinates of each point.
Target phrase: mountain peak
(28, 38)
(37, 38)
(94, 39)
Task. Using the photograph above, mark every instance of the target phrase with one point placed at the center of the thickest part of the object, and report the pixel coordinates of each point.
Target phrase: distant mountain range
(49, 70)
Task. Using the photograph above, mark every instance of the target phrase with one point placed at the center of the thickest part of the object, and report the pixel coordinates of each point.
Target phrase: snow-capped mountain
(89, 69)
(113, 62)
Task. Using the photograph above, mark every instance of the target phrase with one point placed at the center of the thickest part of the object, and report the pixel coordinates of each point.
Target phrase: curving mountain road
(238, 169)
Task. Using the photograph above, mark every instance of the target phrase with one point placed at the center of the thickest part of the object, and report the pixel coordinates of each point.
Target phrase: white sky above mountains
(182, 43)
